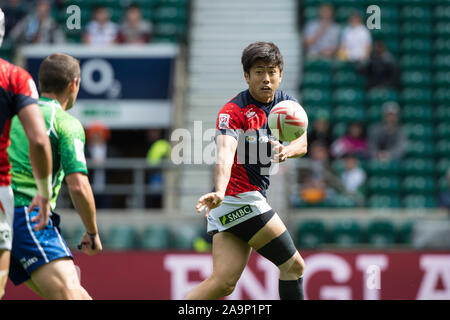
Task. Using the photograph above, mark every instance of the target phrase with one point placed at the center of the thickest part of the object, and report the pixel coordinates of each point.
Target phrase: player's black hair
(57, 71)
(265, 51)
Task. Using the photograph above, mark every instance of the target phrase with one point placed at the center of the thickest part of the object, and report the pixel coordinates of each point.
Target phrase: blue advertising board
(122, 86)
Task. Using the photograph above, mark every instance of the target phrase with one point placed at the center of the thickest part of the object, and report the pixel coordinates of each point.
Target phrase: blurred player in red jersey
(18, 95)
(238, 215)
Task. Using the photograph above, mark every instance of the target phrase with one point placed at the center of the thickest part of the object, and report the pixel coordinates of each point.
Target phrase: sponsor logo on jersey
(4, 236)
(27, 263)
(235, 215)
(250, 113)
(224, 121)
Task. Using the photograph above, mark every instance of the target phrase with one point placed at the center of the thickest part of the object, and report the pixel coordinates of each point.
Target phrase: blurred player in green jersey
(42, 259)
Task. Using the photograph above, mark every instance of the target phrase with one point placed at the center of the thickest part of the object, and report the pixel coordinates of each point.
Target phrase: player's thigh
(271, 230)
(230, 256)
(57, 274)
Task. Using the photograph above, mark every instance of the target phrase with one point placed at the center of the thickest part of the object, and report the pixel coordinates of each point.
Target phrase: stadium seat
(315, 111)
(184, 236)
(156, 237)
(346, 233)
(441, 78)
(381, 233)
(353, 97)
(415, 62)
(342, 12)
(339, 128)
(316, 79)
(417, 114)
(420, 149)
(416, 29)
(418, 201)
(442, 29)
(442, 95)
(443, 184)
(442, 166)
(417, 130)
(404, 232)
(386, 184)
(441, 62)
(442, 113)
(375, 114)
(418, 78)
(416, 13)
(317, 65)
(380, 168)
(170, 14)
(315, 97)
(418, 184)
(441, 45)
(74, 238)
(380, 95)
(383, 201)
(443, 148)
(310, 13)
(443, 130)
(442, 13)
(348, 79)
(416, 45)
(418, 166)
(349, 114)
(7, 50)
(310, 234)
(417, 96)
(121, 238)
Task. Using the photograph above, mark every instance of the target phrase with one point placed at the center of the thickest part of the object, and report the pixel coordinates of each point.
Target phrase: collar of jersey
(257, 103)
(49, 102)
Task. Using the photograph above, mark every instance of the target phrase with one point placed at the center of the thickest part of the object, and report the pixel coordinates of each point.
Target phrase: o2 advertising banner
(124, 86)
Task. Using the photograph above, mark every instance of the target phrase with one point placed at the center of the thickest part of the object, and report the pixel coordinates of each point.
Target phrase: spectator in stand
(134, 30)
(444, 197)
(387, 140)
(354, 142)
(14, 12)
(98, 150)
(317, 180)
(321, 36)
(356, 42)
(38, 27)
(321, 131)
(101, 30)
(381, 69)
(353, 176)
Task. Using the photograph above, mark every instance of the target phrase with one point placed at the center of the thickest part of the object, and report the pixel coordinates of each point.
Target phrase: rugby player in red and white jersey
(238, 215)
(18, 95)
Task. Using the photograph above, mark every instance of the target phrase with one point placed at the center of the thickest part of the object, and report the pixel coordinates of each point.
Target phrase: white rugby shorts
(236, 209)
(6, 217)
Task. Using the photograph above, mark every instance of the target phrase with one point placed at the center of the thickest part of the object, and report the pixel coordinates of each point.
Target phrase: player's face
(263, 80)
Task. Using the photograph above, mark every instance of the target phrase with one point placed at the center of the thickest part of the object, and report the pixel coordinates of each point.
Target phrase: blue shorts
(32, 249)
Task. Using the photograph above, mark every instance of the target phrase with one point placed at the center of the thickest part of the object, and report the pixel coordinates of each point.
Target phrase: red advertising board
(354, 275)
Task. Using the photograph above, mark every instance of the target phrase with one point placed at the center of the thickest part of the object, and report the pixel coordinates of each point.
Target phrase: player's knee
(298, 267)
(225, 286)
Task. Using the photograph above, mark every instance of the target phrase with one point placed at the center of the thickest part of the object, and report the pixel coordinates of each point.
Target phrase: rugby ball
(287, 120)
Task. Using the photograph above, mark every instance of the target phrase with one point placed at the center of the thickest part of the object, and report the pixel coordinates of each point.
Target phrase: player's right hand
(209, 201)
(43, 214)
(90, 244)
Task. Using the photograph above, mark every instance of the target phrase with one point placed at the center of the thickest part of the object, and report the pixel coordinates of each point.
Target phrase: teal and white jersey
(67, 139)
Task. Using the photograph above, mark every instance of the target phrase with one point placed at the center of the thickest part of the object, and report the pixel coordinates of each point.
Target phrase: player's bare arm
(226, 149)
(296, 148)
(41, 160)
(83, 200)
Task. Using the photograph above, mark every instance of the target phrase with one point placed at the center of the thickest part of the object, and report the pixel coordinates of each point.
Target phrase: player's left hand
(280, 154)
(90, 244)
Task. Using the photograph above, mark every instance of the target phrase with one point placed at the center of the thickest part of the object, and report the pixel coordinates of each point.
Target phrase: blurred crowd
(335, 171)
(31, 22)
